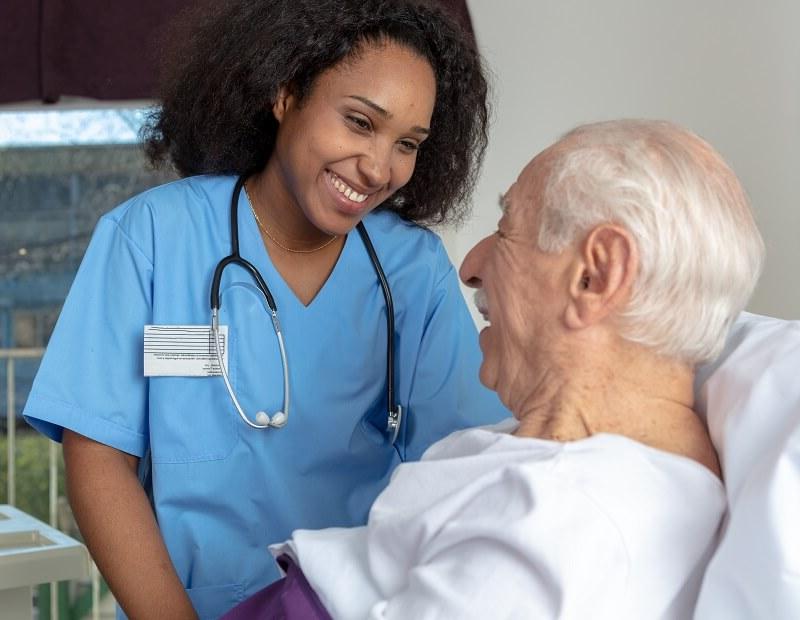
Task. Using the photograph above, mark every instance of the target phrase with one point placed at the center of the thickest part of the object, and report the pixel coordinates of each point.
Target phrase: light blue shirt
(223, 491)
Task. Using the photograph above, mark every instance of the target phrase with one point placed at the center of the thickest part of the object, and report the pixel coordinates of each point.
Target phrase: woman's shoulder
(193, 196)
(393, 230)
(400, 243)
(167, 212)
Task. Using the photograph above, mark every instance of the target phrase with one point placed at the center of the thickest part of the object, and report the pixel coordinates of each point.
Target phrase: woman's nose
(376, 166)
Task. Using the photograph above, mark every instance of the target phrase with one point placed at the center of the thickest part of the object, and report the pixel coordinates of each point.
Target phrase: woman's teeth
(344, 188)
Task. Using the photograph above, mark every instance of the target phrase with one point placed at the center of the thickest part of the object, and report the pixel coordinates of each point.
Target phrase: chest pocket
(193, 418)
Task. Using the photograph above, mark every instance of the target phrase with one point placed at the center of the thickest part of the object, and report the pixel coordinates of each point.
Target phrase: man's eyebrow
(502, 202)
(386, 114)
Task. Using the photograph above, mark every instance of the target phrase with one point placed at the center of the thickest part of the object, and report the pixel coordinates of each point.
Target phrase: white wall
(728, 70)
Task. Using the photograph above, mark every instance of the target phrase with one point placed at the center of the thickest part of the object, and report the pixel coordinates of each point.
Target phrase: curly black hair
(229, 60)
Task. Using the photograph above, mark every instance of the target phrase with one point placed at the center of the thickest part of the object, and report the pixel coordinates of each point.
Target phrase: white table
(32, 552)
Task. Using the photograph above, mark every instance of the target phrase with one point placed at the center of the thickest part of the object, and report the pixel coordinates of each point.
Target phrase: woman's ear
(282, 103)
(602, 276)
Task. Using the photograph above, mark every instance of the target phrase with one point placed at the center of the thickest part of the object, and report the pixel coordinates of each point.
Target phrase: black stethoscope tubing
(235, 258)
(394, 419)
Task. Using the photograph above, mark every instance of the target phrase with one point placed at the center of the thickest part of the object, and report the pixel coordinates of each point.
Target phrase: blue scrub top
(223, 491)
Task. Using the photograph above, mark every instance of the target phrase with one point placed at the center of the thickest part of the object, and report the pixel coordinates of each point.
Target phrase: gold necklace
(275, 241)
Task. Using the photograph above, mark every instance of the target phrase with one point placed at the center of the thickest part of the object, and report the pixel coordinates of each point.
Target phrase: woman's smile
(346, 189)
(347, 198)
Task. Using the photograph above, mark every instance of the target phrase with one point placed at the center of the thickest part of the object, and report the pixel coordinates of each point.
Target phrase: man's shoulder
(470, 441)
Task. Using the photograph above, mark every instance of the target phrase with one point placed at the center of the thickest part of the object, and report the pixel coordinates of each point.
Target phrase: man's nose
(473, 262)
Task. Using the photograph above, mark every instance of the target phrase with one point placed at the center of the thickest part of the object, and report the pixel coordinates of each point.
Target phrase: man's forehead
(526, 190)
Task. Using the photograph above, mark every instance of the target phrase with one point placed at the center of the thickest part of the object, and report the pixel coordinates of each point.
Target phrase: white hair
(700, 251)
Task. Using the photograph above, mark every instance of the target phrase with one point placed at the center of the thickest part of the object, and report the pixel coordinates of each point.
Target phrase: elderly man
(623, 254)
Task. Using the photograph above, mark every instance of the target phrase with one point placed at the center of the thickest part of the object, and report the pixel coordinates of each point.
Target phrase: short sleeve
(91, 377)
(446, 393)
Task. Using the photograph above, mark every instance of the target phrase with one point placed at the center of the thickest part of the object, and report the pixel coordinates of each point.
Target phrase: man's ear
(283, 101)
(602, 275)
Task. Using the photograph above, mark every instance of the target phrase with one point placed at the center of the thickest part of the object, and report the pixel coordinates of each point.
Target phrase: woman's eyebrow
(385, 113)
(368, 102)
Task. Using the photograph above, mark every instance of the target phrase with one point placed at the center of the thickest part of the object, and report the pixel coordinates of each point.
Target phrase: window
(59, 172)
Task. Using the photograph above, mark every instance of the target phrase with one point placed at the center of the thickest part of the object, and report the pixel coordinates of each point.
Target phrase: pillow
(750, 397)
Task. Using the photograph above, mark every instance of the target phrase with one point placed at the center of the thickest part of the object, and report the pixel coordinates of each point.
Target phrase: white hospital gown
(489, 525)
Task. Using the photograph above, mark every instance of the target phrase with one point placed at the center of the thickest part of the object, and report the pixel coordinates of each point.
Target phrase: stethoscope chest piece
(393, 423)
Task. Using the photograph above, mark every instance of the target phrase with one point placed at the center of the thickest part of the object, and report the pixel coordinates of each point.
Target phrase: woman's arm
(118, 525)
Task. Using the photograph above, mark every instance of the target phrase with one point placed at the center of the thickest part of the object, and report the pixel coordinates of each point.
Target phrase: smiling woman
(217, 116)
(339, 154)
(329, 115)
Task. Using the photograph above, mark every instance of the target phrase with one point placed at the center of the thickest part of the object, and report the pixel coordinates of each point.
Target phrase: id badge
(183, 350)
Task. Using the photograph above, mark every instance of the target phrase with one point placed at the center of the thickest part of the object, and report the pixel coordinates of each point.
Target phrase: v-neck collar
(256, 252)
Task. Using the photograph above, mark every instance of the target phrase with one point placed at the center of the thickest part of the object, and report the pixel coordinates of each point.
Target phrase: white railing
(11, 356)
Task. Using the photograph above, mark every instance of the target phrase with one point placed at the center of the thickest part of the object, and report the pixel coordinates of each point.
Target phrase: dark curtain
(104, 49)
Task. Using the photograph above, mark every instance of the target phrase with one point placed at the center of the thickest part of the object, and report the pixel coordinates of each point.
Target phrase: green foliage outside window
(32, 474)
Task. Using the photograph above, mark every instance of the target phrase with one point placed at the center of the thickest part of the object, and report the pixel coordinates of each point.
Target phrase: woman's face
(352, 142)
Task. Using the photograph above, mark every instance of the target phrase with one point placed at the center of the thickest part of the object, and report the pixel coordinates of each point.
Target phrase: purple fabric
(290, 598)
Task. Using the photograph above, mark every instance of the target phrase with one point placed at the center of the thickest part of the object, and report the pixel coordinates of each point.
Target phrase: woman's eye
(408, 146)
(359, 122)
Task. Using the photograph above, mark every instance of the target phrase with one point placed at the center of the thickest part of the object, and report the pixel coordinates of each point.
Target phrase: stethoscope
(279, 418)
